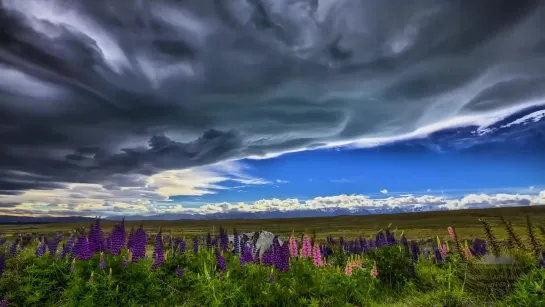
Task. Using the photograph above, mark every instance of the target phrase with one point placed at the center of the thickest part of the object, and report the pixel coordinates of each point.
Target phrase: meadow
(429, 264)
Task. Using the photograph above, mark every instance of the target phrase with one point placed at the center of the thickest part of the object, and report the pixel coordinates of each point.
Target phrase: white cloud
(349, 202)
(384, 191)
(281, 181)
(532, 188)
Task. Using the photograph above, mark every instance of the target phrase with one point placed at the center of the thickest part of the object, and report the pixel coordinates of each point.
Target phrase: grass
(420, 225)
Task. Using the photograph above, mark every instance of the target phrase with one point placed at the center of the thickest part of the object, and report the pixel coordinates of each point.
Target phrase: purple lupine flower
(108, 243)
(3, 241)
(236, 242)
(341, 242)
(283, 263)
(415, 250)
(223, 239)
(180, 272)
(371, 243)
(53, 245)
(158, 251)
(222, 266)
(195, 244)
(118, 239)
(405, 243)
(62, 252)
(139, 244)
(381, 239)
(125, 263)
(69, 245)
(437, 254)
(209, 242)
(13, 248)
(246, 256)
(269, 257)
(390, 239)
(96, 237)
(25, 242)
(540, 265)
(478, 247)
(102, 263)
(81, 248)
(40, 251)
(130, 241)
(2, 265)
(4, 302)
(182, 246)
(426, 254)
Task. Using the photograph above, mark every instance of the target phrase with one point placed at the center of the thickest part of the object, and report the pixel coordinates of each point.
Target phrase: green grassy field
(422, 225)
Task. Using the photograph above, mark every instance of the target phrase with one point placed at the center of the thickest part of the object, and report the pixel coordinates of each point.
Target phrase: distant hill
(9, 219)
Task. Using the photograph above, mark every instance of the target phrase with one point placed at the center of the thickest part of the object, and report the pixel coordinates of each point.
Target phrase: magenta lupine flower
(293, 246)
(317, 256)
(2, 265)
(306, 250)
(81, 248)
(180, 272)
(444, 251)
(139, 244)
(159, 253)
(40, 251)
(102, 263)
(4, 302)
(221, 261)
(451, 233)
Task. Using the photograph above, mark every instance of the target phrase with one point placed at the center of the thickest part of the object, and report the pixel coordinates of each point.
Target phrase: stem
(465, 276)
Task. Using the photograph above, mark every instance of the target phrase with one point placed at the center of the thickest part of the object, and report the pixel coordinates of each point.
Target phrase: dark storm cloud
(94, 91)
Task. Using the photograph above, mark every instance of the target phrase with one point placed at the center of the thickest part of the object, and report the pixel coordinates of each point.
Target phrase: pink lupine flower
(306, 251)
(444, 251)
(348, 269)
(374, 271)
(293, 246)
(467, 253)
(317, 256)
(451, 233)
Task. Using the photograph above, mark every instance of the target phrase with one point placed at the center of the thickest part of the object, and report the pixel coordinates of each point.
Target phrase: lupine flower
(139, 244)
(224, 239)
(53, 244)
(81, 248)
(96, 237)
(118, 238)
(130, 241)
(317, 257)
(236, 242)
(348, 269)
(405, 243)
(415, 250)
(62, 252)
(3, 241)
(182, 246)
(283, 261)
(180, 272)
(437, 254)
(374, 271)
(4, 302)
(467, 253)
(426, 254)
(159, 253)
(13, 248)
(293, 245)
(209, 242)
(444, 251)
(40, 251)
(269, 257)
(247, 256)
(2, 265)
(195, 244)
(478, 247)
(380, 239)
(102, 263)
(341, 242)
(306, 250)
(68, 246)
(221, 261)
(26, 241)
(390, 238)
(451, 233)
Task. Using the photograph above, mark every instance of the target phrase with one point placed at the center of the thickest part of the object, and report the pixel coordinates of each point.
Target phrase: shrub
(394, 266)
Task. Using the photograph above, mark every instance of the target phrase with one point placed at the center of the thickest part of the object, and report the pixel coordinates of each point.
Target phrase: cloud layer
(105, 94)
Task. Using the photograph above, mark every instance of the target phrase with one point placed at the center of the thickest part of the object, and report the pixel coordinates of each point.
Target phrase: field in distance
(421, 225)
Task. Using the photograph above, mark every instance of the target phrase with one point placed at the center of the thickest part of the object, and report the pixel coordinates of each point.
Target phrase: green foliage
(394, 266)
(529, 290)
